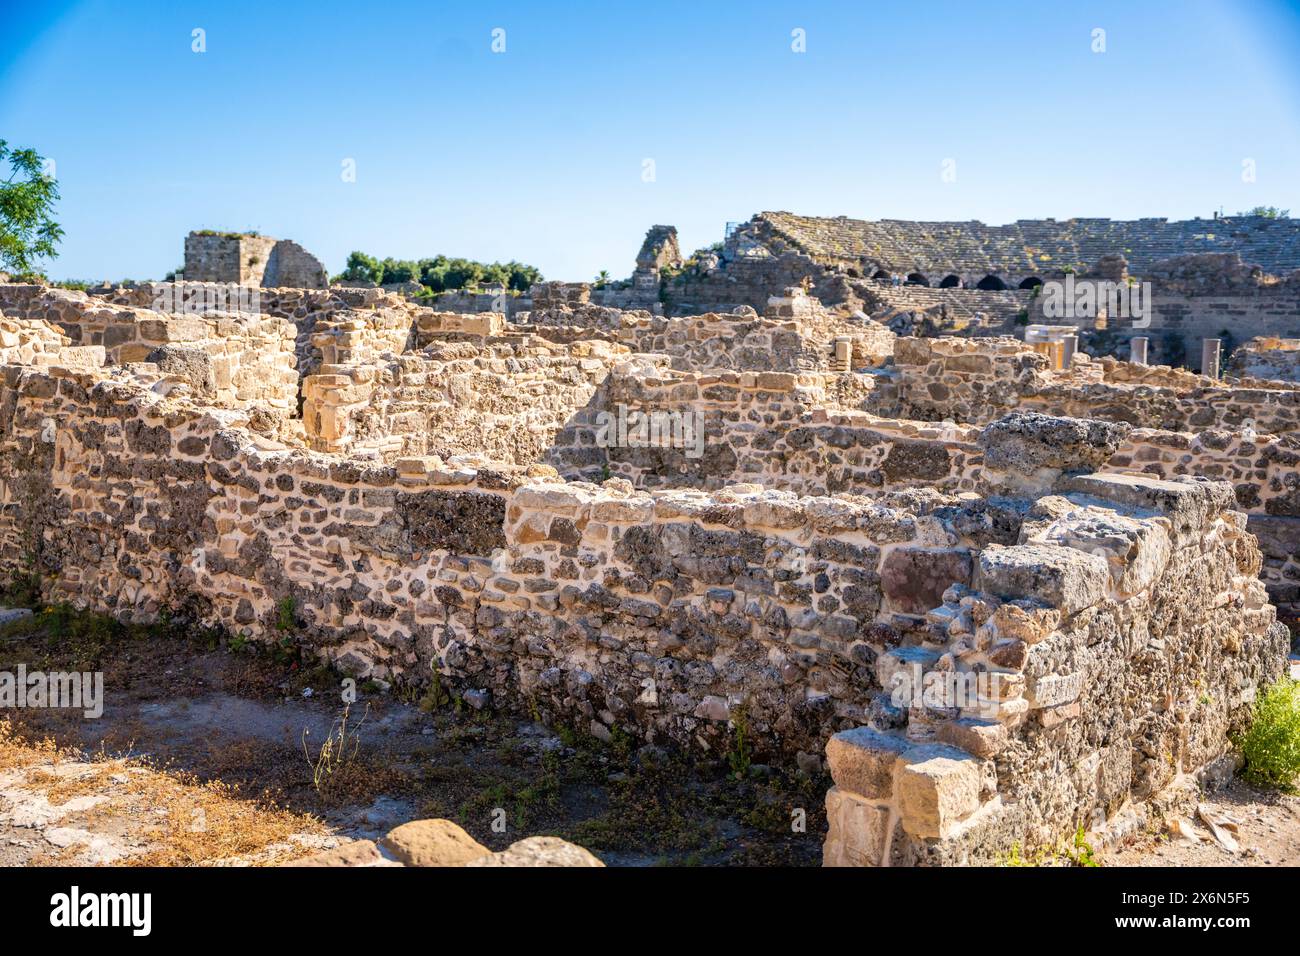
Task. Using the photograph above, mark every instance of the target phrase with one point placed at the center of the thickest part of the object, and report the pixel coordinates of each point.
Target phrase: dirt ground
(1264, 825)
(209, 752)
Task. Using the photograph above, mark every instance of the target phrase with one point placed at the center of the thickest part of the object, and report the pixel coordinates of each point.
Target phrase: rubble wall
(1124, 612)
(1121, 641)
(978, 380)
(506, 402)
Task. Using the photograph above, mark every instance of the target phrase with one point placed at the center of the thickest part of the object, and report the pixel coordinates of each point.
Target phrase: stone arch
(991, 283)
(882, 275)
(1031, 283)
(916, 278)
(950, 282)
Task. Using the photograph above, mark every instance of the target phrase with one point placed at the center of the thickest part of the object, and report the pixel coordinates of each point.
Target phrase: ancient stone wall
(978, 380)
(1267, 357)
(227, 257)
(393, 567)
(1091, 669)
(507, 401)
(1264, 471)
(249, 259)
(671, 615)
(228, 360)
(713, 428)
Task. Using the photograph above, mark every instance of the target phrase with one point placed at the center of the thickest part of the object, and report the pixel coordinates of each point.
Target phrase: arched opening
(991, 284)
(1031, 283)
(882, 275)
(915, 278)
(950, 282)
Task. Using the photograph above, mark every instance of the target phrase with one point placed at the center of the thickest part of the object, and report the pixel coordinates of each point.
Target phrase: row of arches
(990, 283)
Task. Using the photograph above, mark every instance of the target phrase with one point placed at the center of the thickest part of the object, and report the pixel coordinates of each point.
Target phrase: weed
(1271, 745)
(739, 757)
(339, 750)
(286, 613)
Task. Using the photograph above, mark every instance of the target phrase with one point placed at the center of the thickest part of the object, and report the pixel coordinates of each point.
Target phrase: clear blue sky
(536, 153)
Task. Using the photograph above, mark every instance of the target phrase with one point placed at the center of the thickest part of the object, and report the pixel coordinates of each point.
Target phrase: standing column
(1069, 345)
(1138, 349)
(1210, 357)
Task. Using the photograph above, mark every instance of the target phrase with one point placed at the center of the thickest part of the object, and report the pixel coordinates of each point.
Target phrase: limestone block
(858, 830)
(982, 738)
(1052, 690)
(1062, 578)
(862, 761)
(937, 787)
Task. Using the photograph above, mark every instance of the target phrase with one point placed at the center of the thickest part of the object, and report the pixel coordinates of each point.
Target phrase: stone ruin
(998, 598)
(251, 259)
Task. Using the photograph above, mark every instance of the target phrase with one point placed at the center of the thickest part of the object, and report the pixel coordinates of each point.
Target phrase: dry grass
(178, 819)
(211, 822)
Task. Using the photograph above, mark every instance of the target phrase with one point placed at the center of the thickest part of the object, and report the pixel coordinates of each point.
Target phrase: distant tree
(440, 274)
(27, 197)
(362, 268)
(399, 270)
(602, 278)
(1268, 212)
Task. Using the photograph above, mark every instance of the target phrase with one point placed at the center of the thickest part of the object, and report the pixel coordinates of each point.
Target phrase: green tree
(362, 268)
(602, 278)
(1268, 212)
(27, 197)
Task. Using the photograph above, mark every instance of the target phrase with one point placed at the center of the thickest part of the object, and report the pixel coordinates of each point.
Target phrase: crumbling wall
(710, 428)
(1264, 471)
(1124, 613)
(251, 260)
(1094, 668)
(1267, 357)
(226, 359)
(506, 401)
(979, 380)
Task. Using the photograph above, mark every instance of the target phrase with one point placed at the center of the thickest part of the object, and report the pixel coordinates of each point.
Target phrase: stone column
(1069, 345)
(1210, 357)
(1138, 349)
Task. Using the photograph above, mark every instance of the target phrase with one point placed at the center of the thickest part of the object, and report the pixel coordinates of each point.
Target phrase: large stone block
(1060, 577)
(1024, 442)
(914, 579)
(1186, 502)
(862, 761)
(858, 830)
(937, 788)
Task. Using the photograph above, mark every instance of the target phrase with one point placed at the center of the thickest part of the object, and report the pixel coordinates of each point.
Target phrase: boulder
(432, 843)
(539, 851)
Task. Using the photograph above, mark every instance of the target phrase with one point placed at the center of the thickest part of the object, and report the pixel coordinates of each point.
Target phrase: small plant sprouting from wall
(437, 697)
(286, 613)
(1271, 745)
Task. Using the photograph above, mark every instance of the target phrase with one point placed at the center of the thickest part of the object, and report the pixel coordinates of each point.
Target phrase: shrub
(1271, 746)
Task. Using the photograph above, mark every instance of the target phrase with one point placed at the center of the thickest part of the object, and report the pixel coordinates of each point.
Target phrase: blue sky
(537, 153)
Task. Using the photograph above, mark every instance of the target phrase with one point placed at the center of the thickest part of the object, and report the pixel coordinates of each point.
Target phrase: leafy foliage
(439, 274)
(1268, 212)
(27, 197)
(1271, 745)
